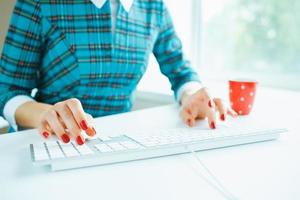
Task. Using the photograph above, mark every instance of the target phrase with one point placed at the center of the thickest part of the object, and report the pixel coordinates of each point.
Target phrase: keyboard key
(51, 143)
(116, 146)
(83, 149)
(54, 150)
(70, 152)
(39, 146)
(40, 152)
(149, 143)
(206, 136)
(103, 148)
(186, 139)
(171, 141)
(131, 145)
(41, 156)
(62, 144)
(104, 138)
(69, 149)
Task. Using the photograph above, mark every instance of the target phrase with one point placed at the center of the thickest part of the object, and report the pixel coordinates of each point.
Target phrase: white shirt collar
(126, 3)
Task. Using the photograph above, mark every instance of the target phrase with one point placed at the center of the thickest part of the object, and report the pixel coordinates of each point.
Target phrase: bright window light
(256, 39)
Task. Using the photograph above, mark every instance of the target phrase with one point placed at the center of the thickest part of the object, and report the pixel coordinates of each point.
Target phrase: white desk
(259, 171)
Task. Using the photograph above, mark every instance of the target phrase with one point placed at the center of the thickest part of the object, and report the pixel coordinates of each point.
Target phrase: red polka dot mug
(241, 95)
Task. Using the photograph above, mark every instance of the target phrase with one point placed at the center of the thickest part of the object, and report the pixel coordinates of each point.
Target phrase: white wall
(6, 7)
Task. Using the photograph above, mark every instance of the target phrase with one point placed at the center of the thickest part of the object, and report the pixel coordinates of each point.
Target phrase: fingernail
(83, 125)
(45, 134)
(223, 117)
(79, 140)
(90, 131)
(189, 121)
(65, 138)
(209, 103)
(212, 125)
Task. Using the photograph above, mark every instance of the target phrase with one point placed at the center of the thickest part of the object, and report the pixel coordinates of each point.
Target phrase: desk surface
(268, 170)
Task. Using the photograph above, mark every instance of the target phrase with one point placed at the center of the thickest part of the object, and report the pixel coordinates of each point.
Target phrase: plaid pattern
(66, 49)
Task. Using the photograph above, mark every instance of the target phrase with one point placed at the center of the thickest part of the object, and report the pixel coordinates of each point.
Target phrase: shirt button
(72, 49)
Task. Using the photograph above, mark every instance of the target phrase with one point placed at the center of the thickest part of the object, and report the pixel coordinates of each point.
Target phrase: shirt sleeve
(192, 86)
(11, 106)
(20, 59)
(169, 54)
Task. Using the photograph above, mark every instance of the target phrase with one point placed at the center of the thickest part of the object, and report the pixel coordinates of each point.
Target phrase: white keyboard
(128, 147)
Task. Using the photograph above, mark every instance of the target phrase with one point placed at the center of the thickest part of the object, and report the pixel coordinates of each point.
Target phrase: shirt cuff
(192, 86)
(11, 106)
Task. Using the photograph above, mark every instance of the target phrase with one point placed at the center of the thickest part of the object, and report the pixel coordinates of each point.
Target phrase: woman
(87, 56)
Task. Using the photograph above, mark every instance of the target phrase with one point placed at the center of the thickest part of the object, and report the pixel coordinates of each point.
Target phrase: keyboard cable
(218, 186)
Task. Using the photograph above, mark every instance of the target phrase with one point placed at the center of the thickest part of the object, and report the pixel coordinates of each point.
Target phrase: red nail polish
(223, 117)
(90, 131)
(79, 140)
(83, 125)
(212, 125)
(209, 103)
(189, 122)
(45, 134)
(65, 138)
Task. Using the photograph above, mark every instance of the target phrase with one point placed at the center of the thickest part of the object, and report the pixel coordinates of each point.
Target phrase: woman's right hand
(66, 120)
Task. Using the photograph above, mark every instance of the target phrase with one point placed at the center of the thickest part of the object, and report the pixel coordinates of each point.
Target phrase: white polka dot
(242, 99)
(249, 106)
(251, 94)
(231, 103)
(243, 87)
(240, 112)
(231, 91)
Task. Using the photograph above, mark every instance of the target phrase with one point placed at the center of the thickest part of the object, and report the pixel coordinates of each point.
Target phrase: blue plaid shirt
(67, 49)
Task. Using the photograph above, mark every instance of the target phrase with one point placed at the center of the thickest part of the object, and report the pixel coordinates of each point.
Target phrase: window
(258, 39)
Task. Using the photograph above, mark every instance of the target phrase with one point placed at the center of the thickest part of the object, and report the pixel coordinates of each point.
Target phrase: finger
(231, 112)
(211, 103)
(62, 122)
(220, 107)
(56, 126)
(68, 119)
(210, 113)
(187, 118)
(90, 120)
(44, 130)
(80, 117)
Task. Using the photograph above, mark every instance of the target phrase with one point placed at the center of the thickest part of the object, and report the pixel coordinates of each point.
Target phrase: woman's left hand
(199, 105)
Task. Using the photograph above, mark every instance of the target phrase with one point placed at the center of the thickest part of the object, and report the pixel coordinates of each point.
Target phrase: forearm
(30, 114)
